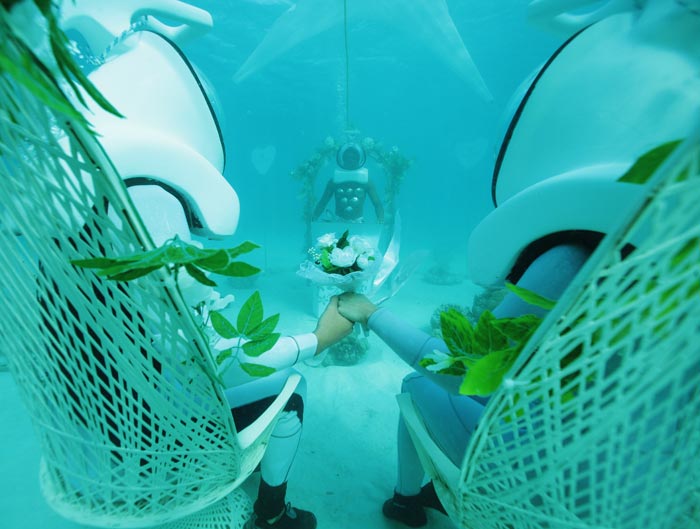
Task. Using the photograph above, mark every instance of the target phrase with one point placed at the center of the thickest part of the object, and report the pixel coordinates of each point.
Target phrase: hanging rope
(347, 66)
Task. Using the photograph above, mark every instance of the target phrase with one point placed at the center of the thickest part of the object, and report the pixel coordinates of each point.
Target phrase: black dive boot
(410, 510)
(271, 512)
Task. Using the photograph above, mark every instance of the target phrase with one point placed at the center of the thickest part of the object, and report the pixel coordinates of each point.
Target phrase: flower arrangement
(343, 261)
(344, 255)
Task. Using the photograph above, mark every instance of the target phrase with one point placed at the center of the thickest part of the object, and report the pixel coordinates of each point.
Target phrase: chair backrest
(598, 424)
(133, 425)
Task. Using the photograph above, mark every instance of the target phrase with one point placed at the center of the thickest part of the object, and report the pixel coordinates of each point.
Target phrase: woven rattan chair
(598, 423)
(133, 425)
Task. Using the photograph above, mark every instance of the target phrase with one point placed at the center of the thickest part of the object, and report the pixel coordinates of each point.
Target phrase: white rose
(360, 245)
(363, 261)
(326, 240)
(343, 258)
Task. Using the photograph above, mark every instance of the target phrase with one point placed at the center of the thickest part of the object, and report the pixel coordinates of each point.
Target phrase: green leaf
(265, 328)
(222, 326)
(648, 163)
(224, 355)
(198, 275)
(97, 262)
(485, 376)
(487, 335)
(681, 255)
(528, 296)
(325, 260)
(520, 328)
(130, 274)
(258, 347)
(251, 314)
(257, 370)
(236, 269)
(343, 241)
(457, 331)
(34, 79)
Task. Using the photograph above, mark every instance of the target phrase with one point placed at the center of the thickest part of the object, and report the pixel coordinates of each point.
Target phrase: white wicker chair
(598, 423)
(133, 426)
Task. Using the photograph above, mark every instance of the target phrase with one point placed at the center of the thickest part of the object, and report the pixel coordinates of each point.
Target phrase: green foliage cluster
(21, 63)
(175, 254)
(483, 353)
(255, 333)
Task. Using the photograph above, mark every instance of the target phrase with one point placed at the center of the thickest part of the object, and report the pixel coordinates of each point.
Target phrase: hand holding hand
(331, 326)
(355, 307)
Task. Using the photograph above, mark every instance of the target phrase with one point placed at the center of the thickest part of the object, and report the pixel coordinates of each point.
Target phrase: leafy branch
(41, 75)
(175, 254)
(255, 334)
(483, 353)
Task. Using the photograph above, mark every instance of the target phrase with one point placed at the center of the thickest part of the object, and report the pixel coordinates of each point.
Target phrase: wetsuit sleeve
(549, 275)
(411, 345)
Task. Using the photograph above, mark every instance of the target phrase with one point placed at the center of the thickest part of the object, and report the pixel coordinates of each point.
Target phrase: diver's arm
(327, 194)
(376, 202)
(548, 275)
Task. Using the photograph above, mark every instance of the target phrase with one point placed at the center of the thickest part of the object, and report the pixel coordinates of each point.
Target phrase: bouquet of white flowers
(344, 262)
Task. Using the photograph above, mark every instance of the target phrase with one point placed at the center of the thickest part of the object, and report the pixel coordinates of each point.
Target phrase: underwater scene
(349, 263)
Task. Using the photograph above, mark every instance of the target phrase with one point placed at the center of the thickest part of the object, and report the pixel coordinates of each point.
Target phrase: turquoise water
(400, 85)
(404, 90)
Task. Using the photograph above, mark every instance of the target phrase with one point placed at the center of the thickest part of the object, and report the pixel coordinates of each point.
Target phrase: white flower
(442, 361)
(363, 261)
(326, 240)
(344, 257)
(360, 245)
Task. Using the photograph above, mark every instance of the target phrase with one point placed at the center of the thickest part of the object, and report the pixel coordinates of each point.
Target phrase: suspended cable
(347, 66)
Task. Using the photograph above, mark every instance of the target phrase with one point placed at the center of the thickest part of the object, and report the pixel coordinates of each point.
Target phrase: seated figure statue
(350, 185)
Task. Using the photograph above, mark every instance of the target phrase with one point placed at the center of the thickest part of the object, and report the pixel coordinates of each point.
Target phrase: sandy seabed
(346, 463)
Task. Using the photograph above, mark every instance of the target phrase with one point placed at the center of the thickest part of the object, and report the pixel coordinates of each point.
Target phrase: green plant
(174, 254)
(42, 74)
(256, 335)
(648, 163)
(483, 353)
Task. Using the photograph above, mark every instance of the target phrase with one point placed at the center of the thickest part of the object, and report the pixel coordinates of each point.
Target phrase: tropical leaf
(224, 355)
(266, 327)
(485, 375)
(457, 331)
(97, 262)
(518, 329)
(487, 335)
(258, 347)
(648, 163)
(222, 326)
(251, 314)
(528, 296)
(257, 370)
(198, 275)
(129, 275)
(235, 269)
